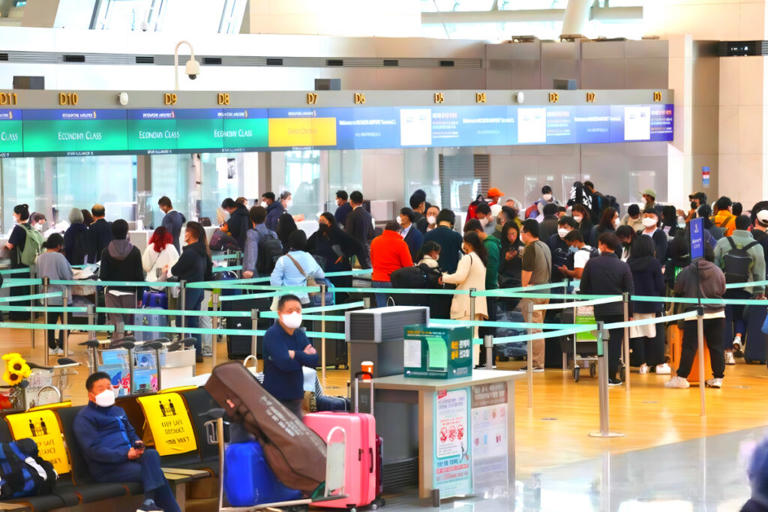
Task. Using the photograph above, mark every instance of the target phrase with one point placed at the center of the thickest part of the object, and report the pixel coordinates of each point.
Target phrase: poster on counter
(452, 459)
(490, 439)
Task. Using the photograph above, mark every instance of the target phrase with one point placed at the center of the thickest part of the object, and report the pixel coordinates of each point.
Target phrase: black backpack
(270, 249)
(737, 263)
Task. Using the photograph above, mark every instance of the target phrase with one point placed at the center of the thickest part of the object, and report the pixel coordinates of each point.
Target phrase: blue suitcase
(755, 349)
(248, 479)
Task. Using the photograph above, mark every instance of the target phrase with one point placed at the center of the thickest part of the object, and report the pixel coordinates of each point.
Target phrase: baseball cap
(649, 192)
(494, 192)
(762, 217)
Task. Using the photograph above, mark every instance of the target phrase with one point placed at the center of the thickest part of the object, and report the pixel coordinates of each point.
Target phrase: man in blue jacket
(172, 221)
(111, 448)
(286, 350)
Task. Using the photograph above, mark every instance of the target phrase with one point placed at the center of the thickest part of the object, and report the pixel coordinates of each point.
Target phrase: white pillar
(576, 16)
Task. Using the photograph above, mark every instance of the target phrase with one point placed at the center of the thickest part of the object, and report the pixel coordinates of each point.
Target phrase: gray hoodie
(710, 281)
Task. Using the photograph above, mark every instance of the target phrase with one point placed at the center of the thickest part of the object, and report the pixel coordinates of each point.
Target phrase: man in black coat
(359, 225)
(608, 275)
(238, 222)
(99, 233)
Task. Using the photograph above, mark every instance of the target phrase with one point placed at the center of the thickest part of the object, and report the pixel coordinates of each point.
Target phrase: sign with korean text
(452, 449)
(43, 427)
(169, 422)
(490, 439)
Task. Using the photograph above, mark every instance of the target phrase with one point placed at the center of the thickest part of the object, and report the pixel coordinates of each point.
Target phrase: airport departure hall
(467, 255)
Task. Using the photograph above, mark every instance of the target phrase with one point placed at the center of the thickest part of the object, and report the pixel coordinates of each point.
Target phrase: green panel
(10, 132)
(74, 131)
(246, 133)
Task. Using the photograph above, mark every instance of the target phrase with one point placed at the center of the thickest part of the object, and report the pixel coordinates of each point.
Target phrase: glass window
(345, 172)
(19, 187)
(302, 178)
(170, 175)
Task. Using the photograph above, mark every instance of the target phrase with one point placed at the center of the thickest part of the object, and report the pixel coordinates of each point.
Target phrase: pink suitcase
(360, 485)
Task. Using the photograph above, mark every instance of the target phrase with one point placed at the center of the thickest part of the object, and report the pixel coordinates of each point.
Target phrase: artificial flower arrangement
(16, 372)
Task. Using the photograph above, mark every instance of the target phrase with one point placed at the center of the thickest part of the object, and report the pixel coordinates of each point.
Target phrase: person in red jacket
(389, 252)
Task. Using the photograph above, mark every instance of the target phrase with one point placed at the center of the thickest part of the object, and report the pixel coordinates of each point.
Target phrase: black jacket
(328, 246)
(607, 275)
(76, 244)
(548, 227)
(450, 243)
(121, 261)
(560, 252)
(238, 224)
(99, 236)
(194, 265)
(661, 240)
(359, 225)
(648, 281)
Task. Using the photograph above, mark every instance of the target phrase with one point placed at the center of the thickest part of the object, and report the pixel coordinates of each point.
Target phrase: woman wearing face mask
(669, 221)
(651, 221)
(432, 212)
(16, 242)
(286, 351)
(581, 215)
(333, 249)
(469, 274)
(511, 267)
(296, 266)
(609, 221)
(626, 236)
(647, 347)
(193, 266)
(54, 265)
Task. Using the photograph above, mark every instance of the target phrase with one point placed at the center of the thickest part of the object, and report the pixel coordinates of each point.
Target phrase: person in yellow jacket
(723, 217)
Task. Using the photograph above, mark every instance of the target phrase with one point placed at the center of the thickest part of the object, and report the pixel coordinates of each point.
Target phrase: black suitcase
(755, 349)
(239, 347)
(335, 350)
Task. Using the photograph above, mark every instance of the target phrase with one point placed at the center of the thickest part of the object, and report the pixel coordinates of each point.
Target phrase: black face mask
(324, 228)
(694, 205)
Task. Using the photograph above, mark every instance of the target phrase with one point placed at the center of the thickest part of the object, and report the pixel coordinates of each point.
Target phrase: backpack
(23, 472)
(220, 241)
(737, 263)
(472, 210)
(409, 277)
(33, 246)
(270, 249)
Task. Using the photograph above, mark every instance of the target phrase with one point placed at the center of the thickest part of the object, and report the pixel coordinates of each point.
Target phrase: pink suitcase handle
(357, 394)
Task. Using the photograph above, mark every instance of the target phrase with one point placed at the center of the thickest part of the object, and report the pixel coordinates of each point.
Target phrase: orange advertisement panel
(301, 132)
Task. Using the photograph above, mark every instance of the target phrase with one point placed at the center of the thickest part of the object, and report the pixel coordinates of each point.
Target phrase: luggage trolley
(334, 467)
(584, 315)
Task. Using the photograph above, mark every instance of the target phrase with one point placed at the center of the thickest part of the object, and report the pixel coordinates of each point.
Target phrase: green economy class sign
(10, 133)
(74, 132)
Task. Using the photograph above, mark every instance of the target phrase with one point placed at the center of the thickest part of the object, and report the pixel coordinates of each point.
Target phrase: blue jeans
(193, 300)
(381, 298)
(146, 470)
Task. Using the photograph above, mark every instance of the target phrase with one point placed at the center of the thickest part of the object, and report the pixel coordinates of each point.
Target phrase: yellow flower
(12, 379)
(16, 365)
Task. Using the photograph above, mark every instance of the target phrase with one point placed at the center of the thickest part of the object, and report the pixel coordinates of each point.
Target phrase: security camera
(192, 69)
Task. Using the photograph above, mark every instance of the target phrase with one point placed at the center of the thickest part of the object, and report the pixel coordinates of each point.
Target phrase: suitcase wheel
(378, 503)
(576, 373)
(592, 370)
(623, 373)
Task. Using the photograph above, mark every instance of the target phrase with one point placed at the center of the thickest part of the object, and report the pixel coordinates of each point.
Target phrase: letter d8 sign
(168, 419)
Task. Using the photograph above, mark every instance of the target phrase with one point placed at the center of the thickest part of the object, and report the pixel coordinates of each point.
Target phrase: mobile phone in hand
(138, 445)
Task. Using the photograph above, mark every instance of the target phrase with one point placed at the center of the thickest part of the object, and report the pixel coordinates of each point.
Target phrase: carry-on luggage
(239, 346)
(362, 456)
(248, 479)
(755, 350)
(295, 453)
(150, 300)
(336, 353)
(675, 338)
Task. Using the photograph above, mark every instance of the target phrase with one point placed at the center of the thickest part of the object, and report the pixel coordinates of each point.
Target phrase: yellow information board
(43, 427)
(302, 131)
(169, 422)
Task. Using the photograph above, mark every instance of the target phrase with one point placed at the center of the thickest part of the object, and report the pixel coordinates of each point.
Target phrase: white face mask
(263, 204)
(289, 203)
(578, 218)
(399, 220)
(432, 220)
(616, 222)
(105, 399)
(39, 227)
(561, 232)
(649, 222)
(484, 221)
(292, 320)
(547, 197)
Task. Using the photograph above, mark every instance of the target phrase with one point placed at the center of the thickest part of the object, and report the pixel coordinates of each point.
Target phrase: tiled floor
(704, 475)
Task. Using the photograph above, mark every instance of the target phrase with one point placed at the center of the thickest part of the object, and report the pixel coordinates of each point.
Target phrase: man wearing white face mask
(483, 213)
(113, 451)
(651, 229)
(286, 350)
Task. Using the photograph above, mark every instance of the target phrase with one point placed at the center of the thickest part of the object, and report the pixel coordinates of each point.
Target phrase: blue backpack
(23, 472)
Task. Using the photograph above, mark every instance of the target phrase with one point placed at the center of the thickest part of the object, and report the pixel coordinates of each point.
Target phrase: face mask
(547, 197)
(561, 232)
(649, 222)
(577, 218)
(399, 220)
(616, 222)
(572, 249)
(324, 228)
(484, 222)
(292, 320)
(432, 220)
(263, 204)
(694, 206)
(105, 399)
(39, 227)
(289, 203)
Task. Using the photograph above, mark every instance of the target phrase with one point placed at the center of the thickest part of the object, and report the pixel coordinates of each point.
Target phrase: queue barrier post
(625, 300)
(488, 345)
(529, 318)
(322, 329)
(472, 315)
(215, 325)
(32, 313)
(46, 283)
(64, 321)
(702, 375)
(254, 338)
(91, 308)
(183, 302)
(602, 379)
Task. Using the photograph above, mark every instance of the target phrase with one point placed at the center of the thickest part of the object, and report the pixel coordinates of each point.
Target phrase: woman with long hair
(469, 274)
(609, 221)
(160, 253)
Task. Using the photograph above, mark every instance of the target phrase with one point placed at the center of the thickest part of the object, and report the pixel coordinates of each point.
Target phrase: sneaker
(737, 343)
(678, 383)
(60, 351)
(538, 370)
(663, 369)
(614, 382)
(729, 359)
(53, 351)
(643, 369)
(714, 383)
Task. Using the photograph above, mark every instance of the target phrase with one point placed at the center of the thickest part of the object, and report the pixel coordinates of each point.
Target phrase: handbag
(310, 280)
